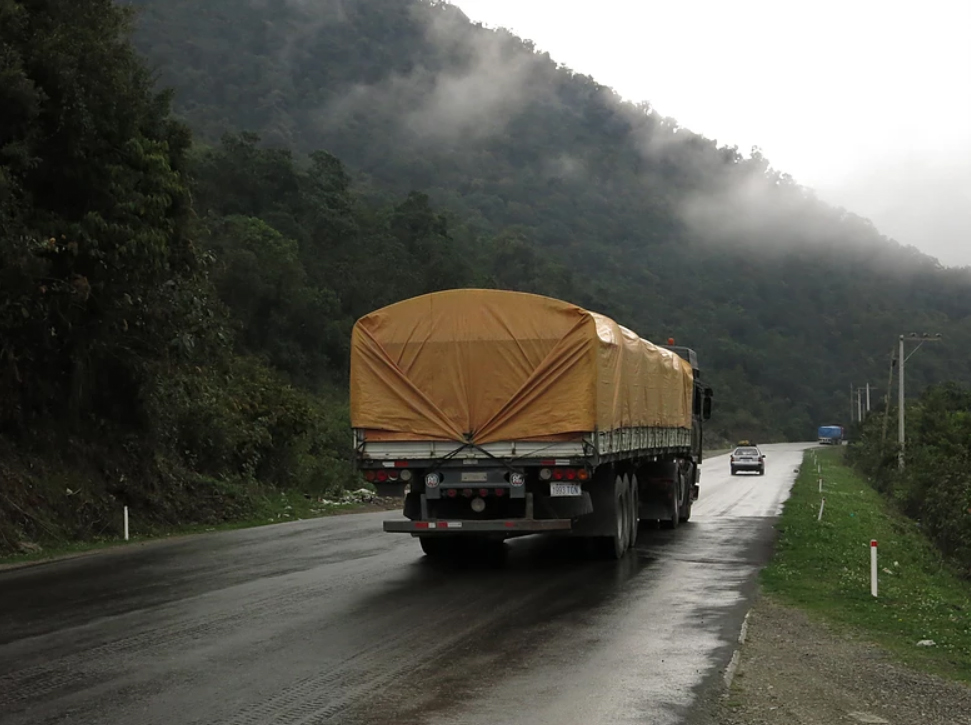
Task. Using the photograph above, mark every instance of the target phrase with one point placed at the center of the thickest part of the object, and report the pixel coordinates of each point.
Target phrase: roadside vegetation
(934, 489)
(824, 568)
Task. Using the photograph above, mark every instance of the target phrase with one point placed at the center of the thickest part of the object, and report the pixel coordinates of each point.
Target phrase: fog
(866, 102)
(471, 101)
(904, 171)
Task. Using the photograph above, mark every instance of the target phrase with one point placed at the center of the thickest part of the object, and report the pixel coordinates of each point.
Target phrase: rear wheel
(614, 545)
(635, 519)
(688, 494)
(485, 550)
(435, 547)
(676, 504)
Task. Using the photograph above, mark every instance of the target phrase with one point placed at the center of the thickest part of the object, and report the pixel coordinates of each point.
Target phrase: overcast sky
(866, 101)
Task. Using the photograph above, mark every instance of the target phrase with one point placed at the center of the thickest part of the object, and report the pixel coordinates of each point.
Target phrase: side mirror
(706, 406)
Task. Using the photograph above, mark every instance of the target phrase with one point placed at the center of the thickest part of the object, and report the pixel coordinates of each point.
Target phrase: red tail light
(369, 475)
(557, 474)
(571, 474)
(381, 476)
(483, 492)
(500, 492)
(453, 492)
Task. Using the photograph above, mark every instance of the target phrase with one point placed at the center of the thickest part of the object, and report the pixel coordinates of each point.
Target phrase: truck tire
(435, 547)
(483, 549)
(676, 504)
(635, 505)
(615, 546)
(688, 500)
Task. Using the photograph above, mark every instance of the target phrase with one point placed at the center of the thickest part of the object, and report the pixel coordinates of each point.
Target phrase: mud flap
(601, 519)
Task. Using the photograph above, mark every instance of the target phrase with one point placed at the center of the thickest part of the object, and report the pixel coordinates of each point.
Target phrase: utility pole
(901, 438)
(900, 406)
(852, 406)
(886, 398)
(862, 404)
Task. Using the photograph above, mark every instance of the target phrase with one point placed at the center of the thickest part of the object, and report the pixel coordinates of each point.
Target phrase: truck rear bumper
(518, 526)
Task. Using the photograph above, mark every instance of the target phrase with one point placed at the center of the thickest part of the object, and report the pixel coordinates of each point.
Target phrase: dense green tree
(99, 272)
(117, 364)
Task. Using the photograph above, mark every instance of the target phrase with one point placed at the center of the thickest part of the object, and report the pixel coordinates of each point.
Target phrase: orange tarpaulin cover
(490, 365)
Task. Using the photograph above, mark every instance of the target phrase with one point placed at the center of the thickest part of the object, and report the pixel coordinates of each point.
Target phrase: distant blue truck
(830, 435)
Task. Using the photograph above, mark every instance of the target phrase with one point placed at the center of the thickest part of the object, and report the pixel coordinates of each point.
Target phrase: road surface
(334, 621)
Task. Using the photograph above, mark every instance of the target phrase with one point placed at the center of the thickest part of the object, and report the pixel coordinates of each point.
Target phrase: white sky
(866, 101)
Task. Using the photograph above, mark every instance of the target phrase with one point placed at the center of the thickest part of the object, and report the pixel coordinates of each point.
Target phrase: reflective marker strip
(424, 525)
(450, 524)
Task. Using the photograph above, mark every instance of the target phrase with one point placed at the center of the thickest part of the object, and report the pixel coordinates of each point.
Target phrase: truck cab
(701, 405)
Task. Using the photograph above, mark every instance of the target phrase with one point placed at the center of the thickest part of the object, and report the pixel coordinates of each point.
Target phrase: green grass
(824, 568)
(273, 509)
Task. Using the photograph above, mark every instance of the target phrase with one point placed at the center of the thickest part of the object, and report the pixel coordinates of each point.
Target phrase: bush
(935, 486)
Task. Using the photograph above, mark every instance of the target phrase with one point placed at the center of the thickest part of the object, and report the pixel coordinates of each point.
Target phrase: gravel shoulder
(798, 671)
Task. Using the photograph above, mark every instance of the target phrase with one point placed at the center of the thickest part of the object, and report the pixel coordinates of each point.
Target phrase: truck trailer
(504, 414)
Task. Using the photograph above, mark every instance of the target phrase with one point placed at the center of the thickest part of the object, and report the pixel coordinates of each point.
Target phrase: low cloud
(487, 82)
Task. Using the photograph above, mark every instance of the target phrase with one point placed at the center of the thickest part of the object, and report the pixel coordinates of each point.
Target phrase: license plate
(474, 476)
(565, 489)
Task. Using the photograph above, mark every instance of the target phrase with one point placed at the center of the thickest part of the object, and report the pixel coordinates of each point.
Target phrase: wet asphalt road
(334, 621)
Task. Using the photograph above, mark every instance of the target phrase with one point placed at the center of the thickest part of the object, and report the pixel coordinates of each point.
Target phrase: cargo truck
(504, 414)
(830, 435)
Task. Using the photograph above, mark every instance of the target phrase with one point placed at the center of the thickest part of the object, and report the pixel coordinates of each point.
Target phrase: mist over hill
(788, 301)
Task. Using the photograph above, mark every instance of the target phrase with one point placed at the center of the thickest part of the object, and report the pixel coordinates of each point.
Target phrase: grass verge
(271, 509)
(824, 568)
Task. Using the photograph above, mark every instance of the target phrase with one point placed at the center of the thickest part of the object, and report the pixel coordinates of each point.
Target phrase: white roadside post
(126, 523)
(820, 485)
(873, 567)
(822, 505)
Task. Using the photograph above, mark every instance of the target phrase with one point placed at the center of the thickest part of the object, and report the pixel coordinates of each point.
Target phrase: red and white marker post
(873, 567)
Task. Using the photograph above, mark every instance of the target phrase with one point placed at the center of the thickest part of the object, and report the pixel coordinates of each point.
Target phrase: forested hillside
(177, 290)
(788, 300)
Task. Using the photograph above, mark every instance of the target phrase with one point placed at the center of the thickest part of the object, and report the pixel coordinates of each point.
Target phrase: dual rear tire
(463, 548)
(624, 515)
